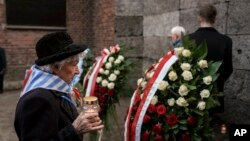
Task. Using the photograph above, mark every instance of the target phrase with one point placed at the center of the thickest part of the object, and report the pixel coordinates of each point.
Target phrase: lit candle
(223, 129)
(90, 104)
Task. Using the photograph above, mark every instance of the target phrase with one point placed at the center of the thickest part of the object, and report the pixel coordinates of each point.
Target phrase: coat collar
(212, 29)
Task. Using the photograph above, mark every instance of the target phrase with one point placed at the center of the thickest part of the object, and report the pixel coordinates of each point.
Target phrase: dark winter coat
(43, 115)
(219, 48)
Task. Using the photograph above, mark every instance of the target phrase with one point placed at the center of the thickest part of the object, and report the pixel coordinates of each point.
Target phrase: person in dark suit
(45, 110)
(2, 68)
(219, 47)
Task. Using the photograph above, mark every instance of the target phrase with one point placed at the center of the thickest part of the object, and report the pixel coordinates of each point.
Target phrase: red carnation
(172, 120)
(146, 119)
(161, 110)
(102, 99)
(77, 93)
(191, 120)
(157, 128)
(102, 90)
(145, 136)
(158, 138)
(185, 137)
(111, 92)
(151, 108)
(96, 88)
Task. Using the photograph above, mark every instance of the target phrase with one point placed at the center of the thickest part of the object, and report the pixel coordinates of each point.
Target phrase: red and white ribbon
(90, 77)
(133, 132)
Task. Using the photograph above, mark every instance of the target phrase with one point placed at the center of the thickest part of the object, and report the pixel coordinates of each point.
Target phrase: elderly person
(177, 33)
(45, 111)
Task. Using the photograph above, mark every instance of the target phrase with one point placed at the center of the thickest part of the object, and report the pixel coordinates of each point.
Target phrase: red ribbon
(131, 133)
(27, 76)
(104, 55)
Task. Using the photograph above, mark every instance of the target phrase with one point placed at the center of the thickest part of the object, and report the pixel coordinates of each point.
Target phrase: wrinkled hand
(86, 122)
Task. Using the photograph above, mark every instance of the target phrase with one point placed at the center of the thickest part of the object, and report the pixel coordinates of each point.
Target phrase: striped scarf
(37, 78)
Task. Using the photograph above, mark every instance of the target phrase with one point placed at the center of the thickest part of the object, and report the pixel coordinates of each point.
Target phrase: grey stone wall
(145, 24)
(129, 34)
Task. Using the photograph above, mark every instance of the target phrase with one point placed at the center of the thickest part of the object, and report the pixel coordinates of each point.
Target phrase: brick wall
(19, 48)
(103, 23)
(88, 21)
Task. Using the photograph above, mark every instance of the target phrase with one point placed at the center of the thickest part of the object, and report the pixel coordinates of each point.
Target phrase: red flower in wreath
(151, 109)
(185, 137)
(157, 128)
(145, 136)
(191, 120)
(111, 93)
(161, 110)
(146, 119)
(172, 120)
(158, 138)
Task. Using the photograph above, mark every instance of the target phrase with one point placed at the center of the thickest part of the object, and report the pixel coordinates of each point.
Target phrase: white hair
(60, 64)
(178, 30)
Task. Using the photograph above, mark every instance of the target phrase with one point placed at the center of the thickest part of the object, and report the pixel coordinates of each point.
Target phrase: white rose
(143, 84)
(139, 81)
(201, 105)
(111, 59)
(178, 50)
(163, 85)
(186, 53)
(154, 100)
(149, 75)
(117, 61)
(203, 64)
(112, 77)
(101, 71)
(120, 57)
(207, 80)
(181, 102)
(187, 75)
(185, 66)
(98, 79)
(171, 102)
(117, 72)
(106, 72)
(104, 83)
(108, 65)
(205, 93)
(172, 76)
(111, 85)
(183, 90)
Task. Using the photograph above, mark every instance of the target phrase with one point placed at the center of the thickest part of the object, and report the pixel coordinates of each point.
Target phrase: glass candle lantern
(90, 104)
(223, 129)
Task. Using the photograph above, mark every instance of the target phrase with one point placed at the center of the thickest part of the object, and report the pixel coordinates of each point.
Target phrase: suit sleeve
(227, 60)
(39, 122)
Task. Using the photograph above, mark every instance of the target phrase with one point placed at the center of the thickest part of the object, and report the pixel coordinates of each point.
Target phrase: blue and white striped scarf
(41, 79)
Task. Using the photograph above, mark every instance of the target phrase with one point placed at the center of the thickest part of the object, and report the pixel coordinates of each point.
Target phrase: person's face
(68, 71)
(174, 38)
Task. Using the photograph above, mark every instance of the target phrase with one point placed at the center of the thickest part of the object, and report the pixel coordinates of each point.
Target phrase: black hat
(56, 47)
